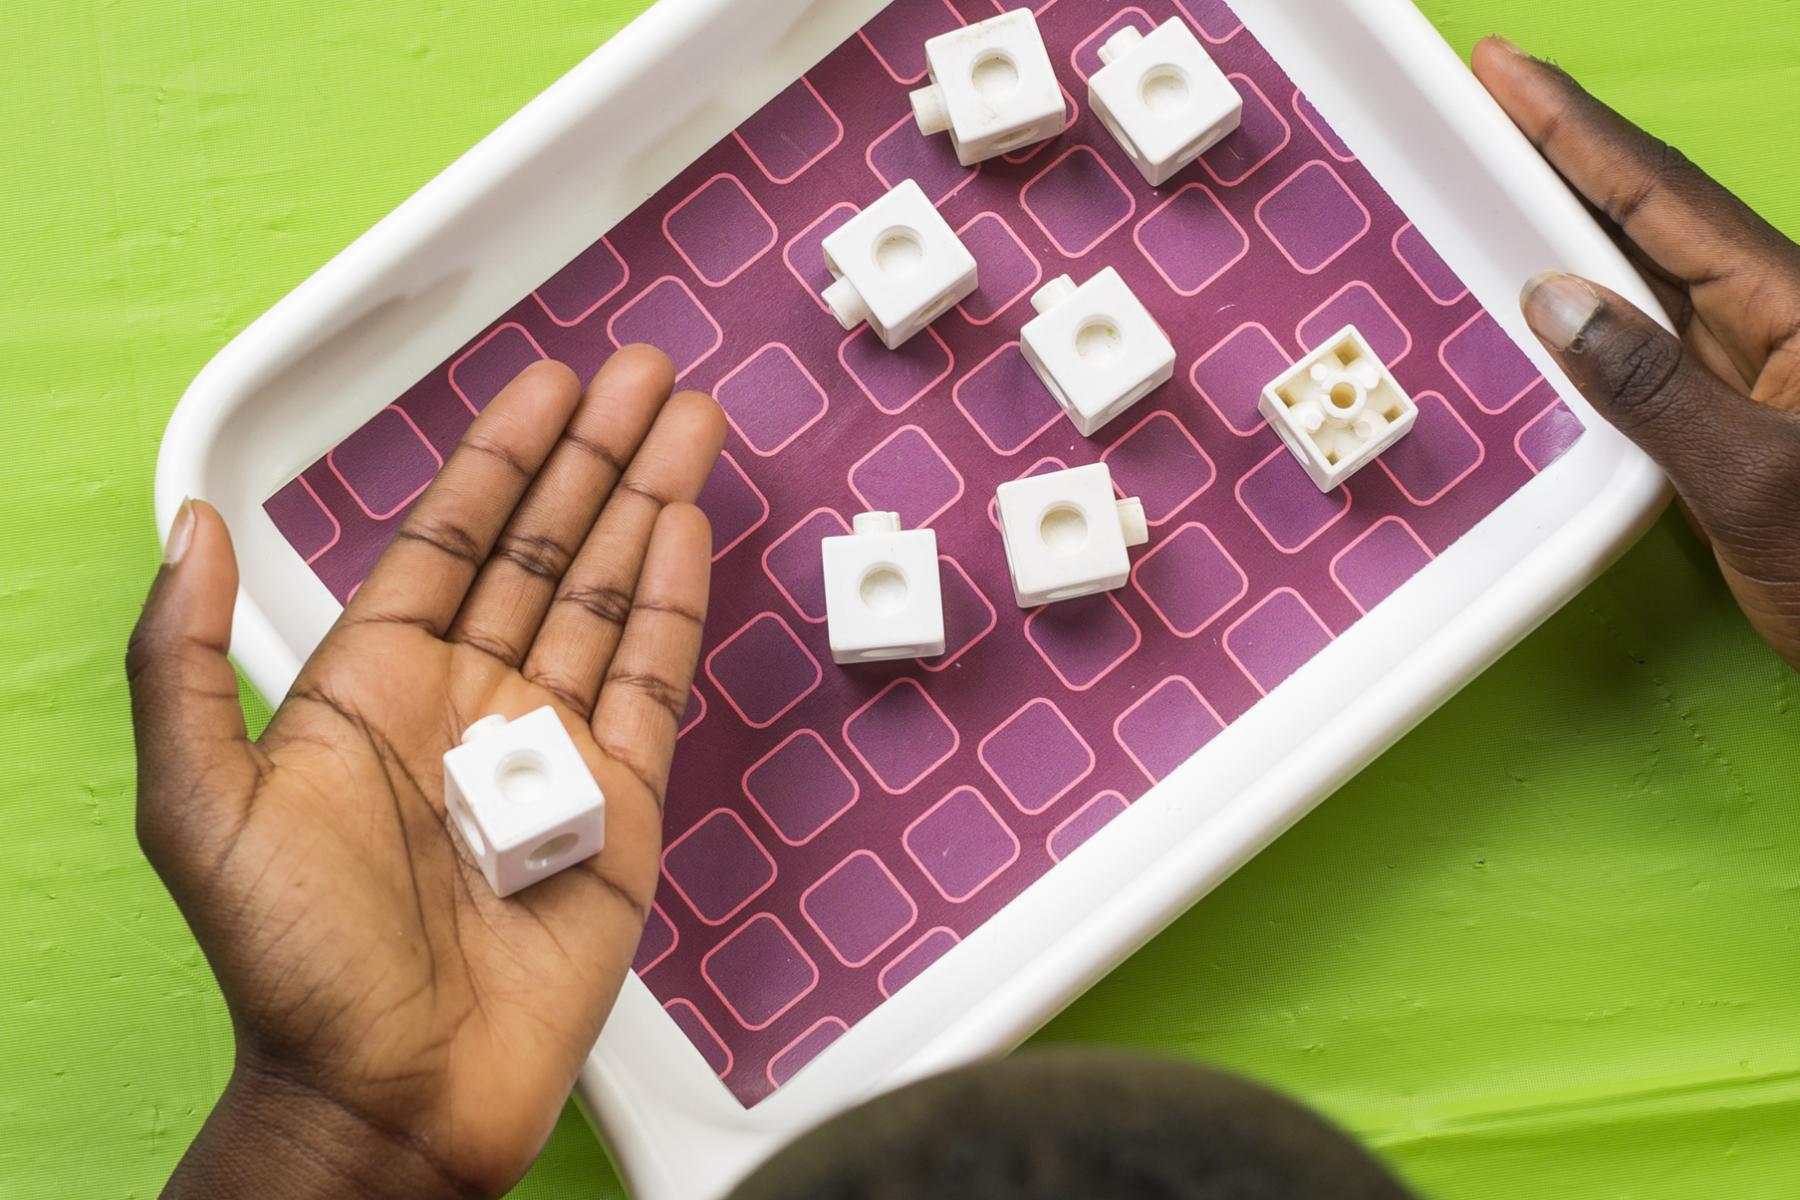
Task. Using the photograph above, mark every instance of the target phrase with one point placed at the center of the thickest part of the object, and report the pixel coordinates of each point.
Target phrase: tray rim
(644, 1083)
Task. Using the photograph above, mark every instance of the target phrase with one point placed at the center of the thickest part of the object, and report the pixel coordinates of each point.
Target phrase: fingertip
(708, 418)
(1560, 308)
(688, 523)
(644, 361)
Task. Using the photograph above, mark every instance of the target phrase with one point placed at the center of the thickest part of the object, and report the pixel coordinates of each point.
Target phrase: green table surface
(1547, 945)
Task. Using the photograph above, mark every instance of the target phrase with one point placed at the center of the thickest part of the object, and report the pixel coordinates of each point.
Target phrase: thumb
(185, 716)
(1736, 463)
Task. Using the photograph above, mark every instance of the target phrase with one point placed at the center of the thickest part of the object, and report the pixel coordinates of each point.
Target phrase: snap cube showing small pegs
(992, 88)
(1067, 533)
(1163, 98)
(1338, 408)
(1095, 347)
(883, 599)
(898, 265)
(521, 798)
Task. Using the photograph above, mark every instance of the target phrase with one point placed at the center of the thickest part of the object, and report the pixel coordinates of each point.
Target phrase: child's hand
(1716, 406)
(399, 1029)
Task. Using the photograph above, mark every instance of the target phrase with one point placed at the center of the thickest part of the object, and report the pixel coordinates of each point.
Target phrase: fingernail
(1507, 44)
(1560, 307)
(181, 534)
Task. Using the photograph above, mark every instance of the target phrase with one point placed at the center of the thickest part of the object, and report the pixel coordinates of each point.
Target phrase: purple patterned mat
(831, 832)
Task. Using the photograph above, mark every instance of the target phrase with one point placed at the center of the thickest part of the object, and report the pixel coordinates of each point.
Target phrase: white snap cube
(899, 266)
(882, 595)
(1066, 534)
(1095, 347)
(1338, 408)
(1163, 98)
(992, 88)
(521, 798)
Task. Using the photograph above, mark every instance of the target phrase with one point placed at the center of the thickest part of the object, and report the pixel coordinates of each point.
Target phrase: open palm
(558, 559)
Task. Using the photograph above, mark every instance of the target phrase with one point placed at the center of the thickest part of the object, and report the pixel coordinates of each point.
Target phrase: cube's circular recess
(993, 88)
(883, 596)
(898, 265)
(1096, 348)
(1163, 98)
(522, 799)
(1067, 533)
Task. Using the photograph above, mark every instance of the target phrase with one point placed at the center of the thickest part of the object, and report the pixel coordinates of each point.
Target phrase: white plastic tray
(595, 145)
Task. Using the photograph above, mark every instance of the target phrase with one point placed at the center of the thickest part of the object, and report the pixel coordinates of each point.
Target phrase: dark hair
(1046, 1126)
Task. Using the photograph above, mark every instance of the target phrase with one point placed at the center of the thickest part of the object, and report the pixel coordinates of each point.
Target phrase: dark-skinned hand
(400, 1030)
(1715, 403)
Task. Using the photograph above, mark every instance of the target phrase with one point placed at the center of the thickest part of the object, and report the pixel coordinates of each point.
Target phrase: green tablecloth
(1547, 945)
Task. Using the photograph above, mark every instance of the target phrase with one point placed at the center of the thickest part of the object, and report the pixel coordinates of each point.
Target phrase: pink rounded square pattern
(1276, 638)
(1084, 823)
(793, 564)
(1231, 376)
(386, 464)
(1083, 641)
(1189, 580)
(770, 399)
(759, 971)
(492, 363)
(719, 230)
(1214, 18)
(800, 787)
(1375, 564)
(1166, 727)
(718, 866)
(1005, 401)
(901, 154)
(1360, 305)
(1313, 217)
(1158, 461)
(792, 766)
(1078, 200)
(1008, 271)
(763, 670)
(1286, 506)
(1438, 454)
(734, 505)
(309, 526)
(1485, 363)
(1036, 756)
(805, 255)
(804, 1049)
(858, 908)
(894, 380)
(591, 279)
(909, 475)
(1548, 436)
(658, 940)
(1191, 240)
(791, 132)
(1421, 261)
(901, 736)
(911, 962)
(968, 616)
(670, 317)
(1260, 136)
(700, 1032)
(961, 844)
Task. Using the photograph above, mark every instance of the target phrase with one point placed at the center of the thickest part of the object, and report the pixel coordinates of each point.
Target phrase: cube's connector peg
(992, 88)
(1096, 348)
(1163, 98)
(1338, 408)
(897, 265)
(521, 798)
(1067, 534)
(883, 597)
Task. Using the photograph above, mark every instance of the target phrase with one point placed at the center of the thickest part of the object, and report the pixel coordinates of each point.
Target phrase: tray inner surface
(831, 832)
